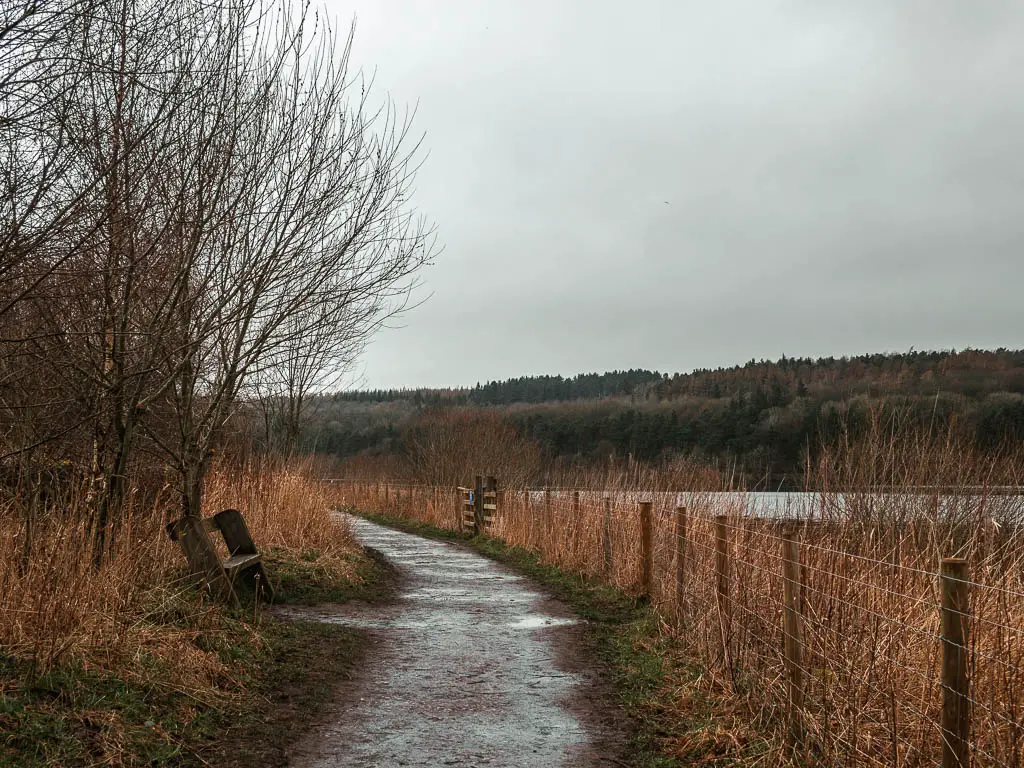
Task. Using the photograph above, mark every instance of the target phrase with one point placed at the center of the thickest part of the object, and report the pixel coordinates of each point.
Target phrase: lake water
(1000, 505)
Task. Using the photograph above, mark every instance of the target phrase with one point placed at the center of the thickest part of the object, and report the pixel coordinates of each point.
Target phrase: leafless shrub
(449, 446)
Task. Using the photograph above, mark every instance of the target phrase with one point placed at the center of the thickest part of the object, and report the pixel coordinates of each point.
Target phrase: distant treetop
(970, 372)
(525, 389)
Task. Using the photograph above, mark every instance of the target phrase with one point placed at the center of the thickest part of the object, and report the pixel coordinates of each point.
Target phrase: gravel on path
(472, 665)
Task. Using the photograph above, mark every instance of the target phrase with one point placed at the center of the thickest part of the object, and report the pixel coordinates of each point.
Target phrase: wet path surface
(471, 666)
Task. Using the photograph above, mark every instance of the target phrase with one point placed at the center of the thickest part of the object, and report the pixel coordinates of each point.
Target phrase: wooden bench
(244, 564)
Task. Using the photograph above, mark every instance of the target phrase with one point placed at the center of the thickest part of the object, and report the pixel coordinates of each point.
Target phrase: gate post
(478, 505)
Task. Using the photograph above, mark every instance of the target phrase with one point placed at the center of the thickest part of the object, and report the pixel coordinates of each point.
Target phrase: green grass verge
(302, 580)
(623, 632)
(281, 676)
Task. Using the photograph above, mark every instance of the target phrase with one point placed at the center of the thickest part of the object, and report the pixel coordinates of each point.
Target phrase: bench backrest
(236, 532)
(231, 526)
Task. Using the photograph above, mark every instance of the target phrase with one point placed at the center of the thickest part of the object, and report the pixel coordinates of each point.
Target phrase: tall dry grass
(137, 616)
(286, 505)
(880, 512)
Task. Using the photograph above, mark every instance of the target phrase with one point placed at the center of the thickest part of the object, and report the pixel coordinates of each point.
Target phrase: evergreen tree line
(764, 418)
(525, 389)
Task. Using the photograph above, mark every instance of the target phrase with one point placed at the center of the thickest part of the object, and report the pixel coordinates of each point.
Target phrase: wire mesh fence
(856, 638)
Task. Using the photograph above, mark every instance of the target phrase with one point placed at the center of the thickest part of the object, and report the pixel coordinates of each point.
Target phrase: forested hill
(972, 373)
(525, 389)
(763, 416)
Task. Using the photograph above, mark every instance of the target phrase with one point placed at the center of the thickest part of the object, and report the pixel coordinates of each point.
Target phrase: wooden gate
(479, 505)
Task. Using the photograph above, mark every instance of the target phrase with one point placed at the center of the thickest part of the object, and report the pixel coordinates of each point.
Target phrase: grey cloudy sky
(679, 184)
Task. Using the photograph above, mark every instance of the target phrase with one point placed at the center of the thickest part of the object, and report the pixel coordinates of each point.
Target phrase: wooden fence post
(547, 527)
(723, 577)
(793, 638)
(607, 537)
(490, 516)
(387, 496)
(956, 722)
(457, 505)
(680, 547)
(646, 548)
(575, 525)
(478, 505)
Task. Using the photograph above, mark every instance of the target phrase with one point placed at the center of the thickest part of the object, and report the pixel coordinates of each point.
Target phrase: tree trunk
(193, 478)
(114, 485)
(202, 557)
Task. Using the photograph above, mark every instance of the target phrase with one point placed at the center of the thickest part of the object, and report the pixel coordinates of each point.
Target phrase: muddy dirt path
(471, 666)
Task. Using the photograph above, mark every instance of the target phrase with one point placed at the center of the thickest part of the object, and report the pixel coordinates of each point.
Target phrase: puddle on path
(471, 666)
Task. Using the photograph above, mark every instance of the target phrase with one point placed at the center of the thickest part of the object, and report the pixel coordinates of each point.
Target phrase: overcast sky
(675, 184)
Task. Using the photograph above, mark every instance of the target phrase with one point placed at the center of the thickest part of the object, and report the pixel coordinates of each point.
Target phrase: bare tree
(320, 354)
(200, 205)
(325, 344)
(320, 244)
(146, 120)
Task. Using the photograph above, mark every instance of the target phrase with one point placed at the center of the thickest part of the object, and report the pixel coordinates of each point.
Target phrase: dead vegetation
(140, 616)
(131, 662)
(203, 213)
(880, 512)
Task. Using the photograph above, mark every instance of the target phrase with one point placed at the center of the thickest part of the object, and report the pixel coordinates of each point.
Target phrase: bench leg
(203, 560)
(251, 579)
(266, 586)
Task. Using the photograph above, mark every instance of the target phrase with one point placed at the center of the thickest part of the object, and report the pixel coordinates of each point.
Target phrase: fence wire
(869, 600)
